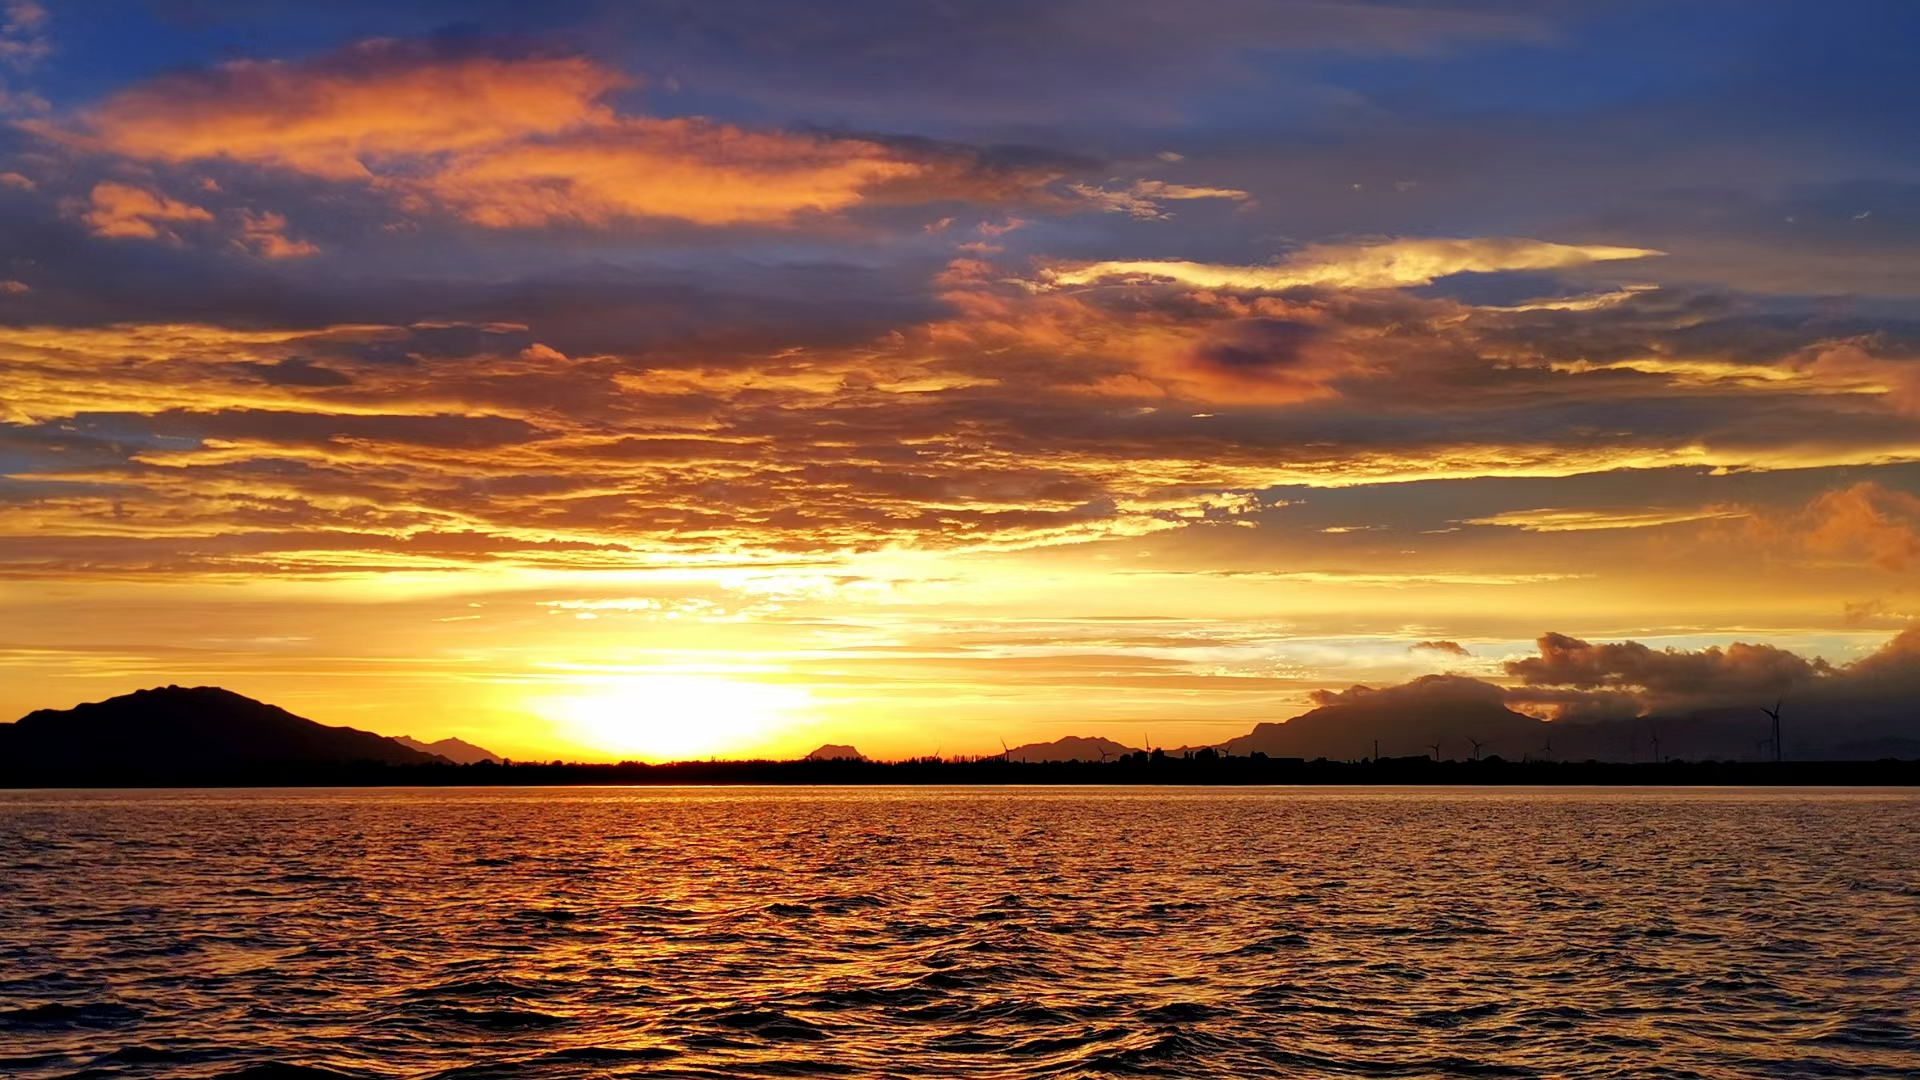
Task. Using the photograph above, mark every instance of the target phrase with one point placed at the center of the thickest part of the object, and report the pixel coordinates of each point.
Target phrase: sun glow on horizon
(499, 391)
(675, 716)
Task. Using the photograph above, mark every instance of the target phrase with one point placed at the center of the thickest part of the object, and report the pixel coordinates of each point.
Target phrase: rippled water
(925, 933)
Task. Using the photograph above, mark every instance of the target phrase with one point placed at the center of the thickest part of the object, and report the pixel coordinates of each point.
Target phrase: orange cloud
(266, 234)
(1849, 366)
(1213, 349)
(123, 211)
(692, 170)
(509, 142)
(1865, 520)
(376, 105)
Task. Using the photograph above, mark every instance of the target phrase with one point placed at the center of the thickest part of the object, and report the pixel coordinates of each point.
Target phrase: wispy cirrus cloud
(23, 44)
(1585, 520)
(1146, 199)
(1387, 264)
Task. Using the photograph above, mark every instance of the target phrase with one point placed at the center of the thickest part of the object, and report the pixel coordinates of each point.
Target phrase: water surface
(990, 933)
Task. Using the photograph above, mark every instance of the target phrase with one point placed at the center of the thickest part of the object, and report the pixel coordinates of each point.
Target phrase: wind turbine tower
(1774, 715)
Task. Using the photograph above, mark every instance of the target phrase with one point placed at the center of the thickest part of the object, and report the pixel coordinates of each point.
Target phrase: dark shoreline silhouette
(209, 737)
(997, 771)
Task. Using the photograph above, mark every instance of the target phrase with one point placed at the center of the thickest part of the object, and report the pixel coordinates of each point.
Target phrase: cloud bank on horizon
(926, 372)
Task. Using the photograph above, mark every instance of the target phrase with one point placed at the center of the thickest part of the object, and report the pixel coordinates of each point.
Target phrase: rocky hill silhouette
(174, 730)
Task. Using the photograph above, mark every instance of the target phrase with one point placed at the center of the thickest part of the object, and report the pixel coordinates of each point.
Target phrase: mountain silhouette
(835, 752)
(175, 730)
(458, 751)
(1406, 721)
(1070, 748)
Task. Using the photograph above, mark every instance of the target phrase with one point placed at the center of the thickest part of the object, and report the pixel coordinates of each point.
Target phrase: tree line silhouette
(1198, 767)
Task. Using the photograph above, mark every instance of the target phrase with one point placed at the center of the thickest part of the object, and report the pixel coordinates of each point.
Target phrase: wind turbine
(1547, 749)
(1477, 744)
(1774, 714)
(1656, 744)
(1435, 747)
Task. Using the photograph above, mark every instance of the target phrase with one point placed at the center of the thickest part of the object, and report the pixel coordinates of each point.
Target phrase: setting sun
(674, 717)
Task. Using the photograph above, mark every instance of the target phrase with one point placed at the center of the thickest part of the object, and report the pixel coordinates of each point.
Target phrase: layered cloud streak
(520, 141)
(1027, 417)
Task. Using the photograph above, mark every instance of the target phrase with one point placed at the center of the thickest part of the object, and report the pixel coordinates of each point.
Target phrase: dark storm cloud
(297, 428)
(1259, 343)
(297, 371)
(1741, 670)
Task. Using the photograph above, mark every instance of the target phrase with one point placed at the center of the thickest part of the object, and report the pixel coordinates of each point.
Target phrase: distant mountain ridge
(1404, 721)
(458, 751)
(1071, 748)
(1454, 717)
(179, 734)
(174, 730)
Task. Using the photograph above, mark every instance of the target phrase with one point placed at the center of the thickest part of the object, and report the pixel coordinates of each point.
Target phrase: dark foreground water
(935, 933)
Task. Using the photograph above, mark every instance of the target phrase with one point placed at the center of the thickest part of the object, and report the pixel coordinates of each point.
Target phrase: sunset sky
(655, 380)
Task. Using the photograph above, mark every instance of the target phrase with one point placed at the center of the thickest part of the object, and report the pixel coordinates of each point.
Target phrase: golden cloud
(1391, 264)
(1143, 199)
(1551, 520)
